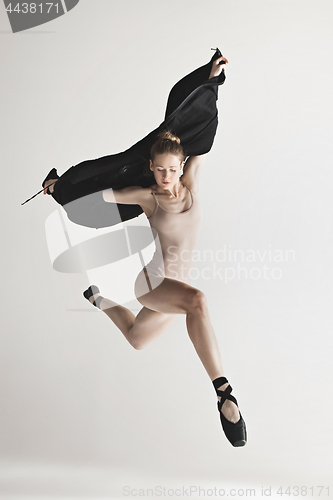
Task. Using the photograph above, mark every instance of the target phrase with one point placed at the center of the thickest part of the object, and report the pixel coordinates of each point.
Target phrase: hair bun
(167, 143)
(168, 136)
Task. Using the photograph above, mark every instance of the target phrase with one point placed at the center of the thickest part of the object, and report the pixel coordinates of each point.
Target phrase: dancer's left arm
(192, 170)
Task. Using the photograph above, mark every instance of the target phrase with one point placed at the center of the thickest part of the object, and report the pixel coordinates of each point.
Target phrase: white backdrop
(83, 414)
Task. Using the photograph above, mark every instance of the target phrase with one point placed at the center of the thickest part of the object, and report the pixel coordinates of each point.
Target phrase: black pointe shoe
(235, 432)
(91, 291)
(51, 175)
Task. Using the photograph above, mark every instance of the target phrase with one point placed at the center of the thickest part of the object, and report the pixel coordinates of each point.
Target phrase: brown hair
(167, 143)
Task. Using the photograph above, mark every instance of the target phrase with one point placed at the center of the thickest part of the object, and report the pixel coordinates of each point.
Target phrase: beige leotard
(177, 236)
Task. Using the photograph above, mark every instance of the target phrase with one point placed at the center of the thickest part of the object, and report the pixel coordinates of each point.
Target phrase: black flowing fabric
(191, 114)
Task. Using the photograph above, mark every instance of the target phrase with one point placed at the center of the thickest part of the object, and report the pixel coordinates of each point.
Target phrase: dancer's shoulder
(129, 195)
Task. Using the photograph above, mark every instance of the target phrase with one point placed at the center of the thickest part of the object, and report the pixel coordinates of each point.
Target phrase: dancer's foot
(94, 297)
(231, 418)
(229, 409)
(47, 183)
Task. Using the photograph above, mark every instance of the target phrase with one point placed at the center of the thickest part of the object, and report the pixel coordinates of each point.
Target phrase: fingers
(50, 183)
(220, 59)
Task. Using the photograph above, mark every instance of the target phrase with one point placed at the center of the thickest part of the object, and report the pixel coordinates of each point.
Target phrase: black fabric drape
(191, 114)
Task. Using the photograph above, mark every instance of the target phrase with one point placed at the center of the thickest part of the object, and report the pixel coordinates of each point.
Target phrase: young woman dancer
(173, 209)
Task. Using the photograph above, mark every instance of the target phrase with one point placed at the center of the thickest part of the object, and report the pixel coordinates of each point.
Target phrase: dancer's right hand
(47, 183)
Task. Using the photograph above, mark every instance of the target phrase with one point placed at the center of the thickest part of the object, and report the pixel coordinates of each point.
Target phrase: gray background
(83, 414)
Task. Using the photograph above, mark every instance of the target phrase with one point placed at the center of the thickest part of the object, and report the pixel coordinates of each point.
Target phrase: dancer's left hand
(216, 67)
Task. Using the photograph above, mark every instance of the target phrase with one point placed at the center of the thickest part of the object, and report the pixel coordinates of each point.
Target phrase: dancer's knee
(138, 345)
(197, 302)
(137, 341)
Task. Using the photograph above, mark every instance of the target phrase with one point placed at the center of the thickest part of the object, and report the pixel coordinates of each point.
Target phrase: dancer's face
(166, 170)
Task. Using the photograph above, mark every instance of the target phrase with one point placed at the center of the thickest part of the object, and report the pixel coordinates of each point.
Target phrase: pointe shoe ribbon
(235, 432)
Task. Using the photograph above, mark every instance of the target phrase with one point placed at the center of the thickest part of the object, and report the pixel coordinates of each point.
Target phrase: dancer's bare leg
(139, 330)
(203, 337)
(173, 297)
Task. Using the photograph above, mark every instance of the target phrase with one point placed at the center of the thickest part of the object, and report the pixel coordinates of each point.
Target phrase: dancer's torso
(177, 236)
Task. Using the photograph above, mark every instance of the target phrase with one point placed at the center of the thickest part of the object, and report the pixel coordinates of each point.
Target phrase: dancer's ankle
(92, 298)
(228, 408)
(97, 298)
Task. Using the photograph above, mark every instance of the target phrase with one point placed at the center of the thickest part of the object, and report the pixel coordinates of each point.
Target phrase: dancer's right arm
(131, 195)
